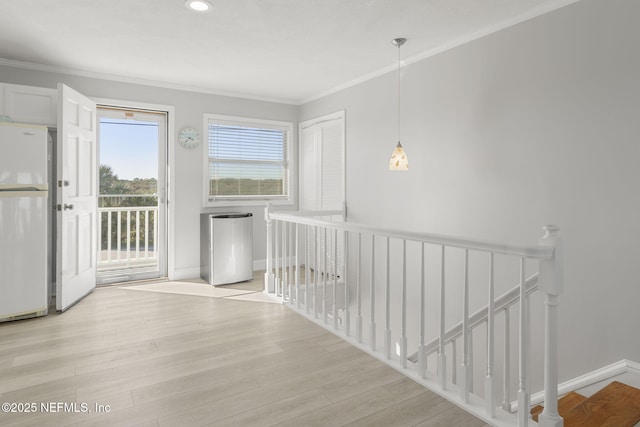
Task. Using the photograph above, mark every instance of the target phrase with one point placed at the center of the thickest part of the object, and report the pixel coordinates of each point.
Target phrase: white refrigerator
(24, 212)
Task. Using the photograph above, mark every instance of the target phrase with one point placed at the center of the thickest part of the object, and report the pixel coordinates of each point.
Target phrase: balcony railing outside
(128, 232)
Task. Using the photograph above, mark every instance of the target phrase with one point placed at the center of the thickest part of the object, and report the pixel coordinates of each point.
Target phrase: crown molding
(541, 10)
(546, 8)
(145, 82)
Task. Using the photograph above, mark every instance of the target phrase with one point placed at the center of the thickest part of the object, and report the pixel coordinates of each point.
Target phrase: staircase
(616, 405)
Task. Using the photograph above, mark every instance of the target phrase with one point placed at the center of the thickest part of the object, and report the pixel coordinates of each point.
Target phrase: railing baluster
(335, 278)
(285, 251)
(146, 234)
(358, 292)
(297, 267)
(119, 234)
(283, 260)
(470, 375)
(345, 279)
(387, 308)
(489, 394)
(464, 367)
(324, 276)
(109, 236)
(442, 356)
(403, 332)
(307, 269)
(454, 361)
(506, 374)
(316, 273)
(290, 260)
(268, 275)
(128, 235)
(372, 298)
(276, 227)
(422, 356)
(100, 237)
(155, 233)
(523, 387)
(137, 233)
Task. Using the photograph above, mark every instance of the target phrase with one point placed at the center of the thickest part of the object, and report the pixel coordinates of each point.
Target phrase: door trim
(170, 163)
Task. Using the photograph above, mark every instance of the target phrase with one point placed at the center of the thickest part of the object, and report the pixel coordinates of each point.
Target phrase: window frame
(290, 161)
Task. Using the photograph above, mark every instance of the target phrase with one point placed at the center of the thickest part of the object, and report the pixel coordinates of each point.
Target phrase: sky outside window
(130, 147)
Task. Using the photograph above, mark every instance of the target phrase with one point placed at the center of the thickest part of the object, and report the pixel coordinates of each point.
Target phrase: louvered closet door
(323, 184)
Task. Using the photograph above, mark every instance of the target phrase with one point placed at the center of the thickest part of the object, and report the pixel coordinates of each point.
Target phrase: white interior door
(77, 198)
(322, 184)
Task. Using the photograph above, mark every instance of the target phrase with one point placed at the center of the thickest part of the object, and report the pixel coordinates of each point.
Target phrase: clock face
(189, 138)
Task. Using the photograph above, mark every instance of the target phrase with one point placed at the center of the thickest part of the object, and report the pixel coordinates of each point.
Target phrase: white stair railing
(421, 288)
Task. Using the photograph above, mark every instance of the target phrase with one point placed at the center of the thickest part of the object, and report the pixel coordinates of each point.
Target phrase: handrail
(503, 302)
(319, 237)
(128, 208)
(439, 239)
(128, 195)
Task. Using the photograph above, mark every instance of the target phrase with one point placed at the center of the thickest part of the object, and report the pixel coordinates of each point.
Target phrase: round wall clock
(189, 138)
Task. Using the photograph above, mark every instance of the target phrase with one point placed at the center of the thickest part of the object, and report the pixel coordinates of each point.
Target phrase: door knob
(68, 206)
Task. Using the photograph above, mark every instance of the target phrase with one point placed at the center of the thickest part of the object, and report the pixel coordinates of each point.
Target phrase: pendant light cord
(398, 92)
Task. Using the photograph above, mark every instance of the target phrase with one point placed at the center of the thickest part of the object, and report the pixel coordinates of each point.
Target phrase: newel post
(268, 275)
(551, 284)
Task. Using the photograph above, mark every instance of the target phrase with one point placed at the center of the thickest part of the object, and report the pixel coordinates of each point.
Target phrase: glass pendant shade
(399, 161)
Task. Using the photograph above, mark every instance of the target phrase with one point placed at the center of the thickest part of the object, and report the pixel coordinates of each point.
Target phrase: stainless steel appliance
(226, 247)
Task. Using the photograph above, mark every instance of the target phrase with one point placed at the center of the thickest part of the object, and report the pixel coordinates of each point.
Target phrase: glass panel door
(131, 201)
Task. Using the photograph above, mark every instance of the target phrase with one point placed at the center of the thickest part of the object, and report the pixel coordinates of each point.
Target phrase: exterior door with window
(132, 194)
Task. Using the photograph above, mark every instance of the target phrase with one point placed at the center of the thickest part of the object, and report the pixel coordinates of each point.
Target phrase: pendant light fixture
(399, 161)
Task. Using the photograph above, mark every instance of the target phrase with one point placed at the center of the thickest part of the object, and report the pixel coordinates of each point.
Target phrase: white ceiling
(284, 50)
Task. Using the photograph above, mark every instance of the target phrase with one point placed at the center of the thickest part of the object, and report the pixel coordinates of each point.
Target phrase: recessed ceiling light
(198, 5)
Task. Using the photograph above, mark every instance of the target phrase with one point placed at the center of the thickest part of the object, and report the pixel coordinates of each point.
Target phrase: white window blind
(247, 160)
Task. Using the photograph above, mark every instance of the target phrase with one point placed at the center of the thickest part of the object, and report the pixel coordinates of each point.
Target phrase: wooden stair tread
(615, 405)
(565, 404)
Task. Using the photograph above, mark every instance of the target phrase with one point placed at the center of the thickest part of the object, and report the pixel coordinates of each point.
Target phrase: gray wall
(536, 124)
(532, 125)
(187, 174)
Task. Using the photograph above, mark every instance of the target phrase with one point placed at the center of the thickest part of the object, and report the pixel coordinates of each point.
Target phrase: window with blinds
(247, 159)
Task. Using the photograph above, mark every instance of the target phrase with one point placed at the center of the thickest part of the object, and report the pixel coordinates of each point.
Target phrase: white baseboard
(194, 272)
(185, 273)
(624, 366)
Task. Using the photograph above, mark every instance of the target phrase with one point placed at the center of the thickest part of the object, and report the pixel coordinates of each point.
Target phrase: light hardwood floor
(174, 360)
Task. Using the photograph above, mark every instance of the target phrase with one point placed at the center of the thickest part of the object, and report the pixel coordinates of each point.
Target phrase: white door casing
(77, 198)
